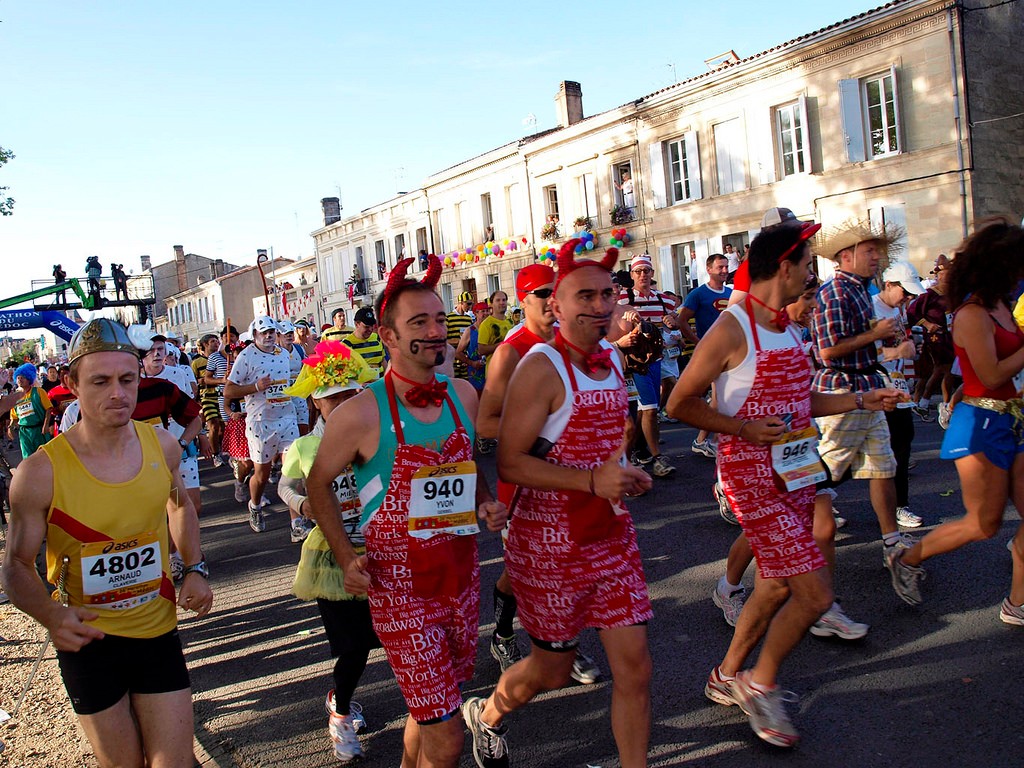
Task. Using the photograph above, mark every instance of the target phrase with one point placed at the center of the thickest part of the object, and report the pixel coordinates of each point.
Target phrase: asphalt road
(931, 685)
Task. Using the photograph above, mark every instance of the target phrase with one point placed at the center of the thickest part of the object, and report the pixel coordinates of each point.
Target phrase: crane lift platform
(70, 294)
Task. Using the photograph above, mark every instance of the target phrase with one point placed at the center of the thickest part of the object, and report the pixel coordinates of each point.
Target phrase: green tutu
(318, 575)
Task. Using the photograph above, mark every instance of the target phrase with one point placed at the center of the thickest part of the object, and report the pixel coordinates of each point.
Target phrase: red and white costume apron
(778, 524)
(572, 558)
(424, 593)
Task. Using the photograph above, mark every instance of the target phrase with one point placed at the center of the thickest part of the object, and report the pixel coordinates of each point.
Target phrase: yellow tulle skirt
(318, 574)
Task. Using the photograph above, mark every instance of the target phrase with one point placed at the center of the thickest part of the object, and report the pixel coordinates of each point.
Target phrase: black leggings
(901, 436)
(351, 638)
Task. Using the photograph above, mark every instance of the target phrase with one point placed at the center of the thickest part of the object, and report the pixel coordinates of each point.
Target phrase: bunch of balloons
(620, 237)
(547, 253)
(482, 252)
(586, 240)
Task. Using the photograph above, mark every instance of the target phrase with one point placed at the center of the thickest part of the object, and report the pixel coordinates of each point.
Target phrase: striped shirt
(457, 323)
(844, 310)
(653, 306)
(371, 349)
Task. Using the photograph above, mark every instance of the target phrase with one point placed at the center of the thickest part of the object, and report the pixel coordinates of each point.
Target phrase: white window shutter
(766, 152)
(666, 271)
(658, 174)
(693, 164)
(808, 168)
(751, 234)
(699, 265)
(896, 107)
(853, 120)
(896, 215)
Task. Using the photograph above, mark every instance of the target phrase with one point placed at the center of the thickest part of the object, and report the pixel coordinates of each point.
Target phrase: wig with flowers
(333, 367)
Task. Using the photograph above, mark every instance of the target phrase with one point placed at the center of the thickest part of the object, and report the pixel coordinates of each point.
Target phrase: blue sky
(220, 125)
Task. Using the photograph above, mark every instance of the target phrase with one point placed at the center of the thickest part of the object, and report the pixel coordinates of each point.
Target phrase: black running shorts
(102, 672)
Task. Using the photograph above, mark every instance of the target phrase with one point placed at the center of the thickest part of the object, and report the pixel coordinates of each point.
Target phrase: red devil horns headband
(398, 278)
(567, 262)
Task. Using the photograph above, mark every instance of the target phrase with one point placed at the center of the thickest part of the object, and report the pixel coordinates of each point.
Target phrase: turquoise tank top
(374, 476)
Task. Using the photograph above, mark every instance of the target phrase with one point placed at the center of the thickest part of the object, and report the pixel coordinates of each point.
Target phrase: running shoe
(256, 521)
(731, 604)
(907, 519)
(489, 747)
(275, 474)
(723, 505)
(217, 461)
(640, 461)
(241, 492)
(486, 446)
(906, 579)
(719, 688)
(664, 418)
(924, 413)
(906, 541)
(299, 530)
(343, 732)
(1012, 614)
(584, 670)
(945, 412)
(505, 650)
(835, 623)
(358, 721)
(767, 711)
(840, 520)
(660, 467)
(264, 501)
(177, 567)
(705, 448)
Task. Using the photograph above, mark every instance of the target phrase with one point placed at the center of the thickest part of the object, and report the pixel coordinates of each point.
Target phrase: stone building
(184, 271)
(909, 113)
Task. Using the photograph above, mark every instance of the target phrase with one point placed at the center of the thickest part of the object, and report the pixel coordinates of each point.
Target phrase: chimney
(179, 265)
(569, 103)
(332, 210)
(147, 263)
(218, 268)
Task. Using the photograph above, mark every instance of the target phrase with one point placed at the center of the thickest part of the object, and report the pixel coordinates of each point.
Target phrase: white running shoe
(731, 604)
(343, 733)
(835, 623)
(907, 519)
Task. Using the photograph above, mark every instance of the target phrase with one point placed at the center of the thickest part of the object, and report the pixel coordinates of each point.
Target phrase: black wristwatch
(199, 568)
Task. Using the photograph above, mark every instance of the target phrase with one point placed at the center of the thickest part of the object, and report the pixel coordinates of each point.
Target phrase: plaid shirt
(844, 310)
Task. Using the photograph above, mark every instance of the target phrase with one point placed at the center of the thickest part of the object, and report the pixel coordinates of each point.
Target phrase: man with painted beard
(409, 438)
(564, 450)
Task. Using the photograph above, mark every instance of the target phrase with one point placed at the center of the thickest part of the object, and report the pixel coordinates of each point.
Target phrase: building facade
(908, 114)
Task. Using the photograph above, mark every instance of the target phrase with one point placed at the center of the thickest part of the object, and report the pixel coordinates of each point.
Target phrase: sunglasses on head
(542, 293)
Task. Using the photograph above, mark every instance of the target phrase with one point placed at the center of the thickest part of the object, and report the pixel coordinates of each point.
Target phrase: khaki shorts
(857, 441)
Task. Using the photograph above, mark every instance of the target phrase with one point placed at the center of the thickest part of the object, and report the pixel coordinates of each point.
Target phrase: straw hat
(830, 242)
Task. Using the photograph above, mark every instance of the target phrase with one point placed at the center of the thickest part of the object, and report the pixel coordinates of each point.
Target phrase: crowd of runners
(368, 434)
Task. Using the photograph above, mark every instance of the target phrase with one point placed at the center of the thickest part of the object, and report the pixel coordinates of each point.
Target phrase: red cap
(481, 306)
(532, 277)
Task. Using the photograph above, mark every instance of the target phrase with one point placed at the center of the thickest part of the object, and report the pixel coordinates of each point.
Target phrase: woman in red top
(986, 432)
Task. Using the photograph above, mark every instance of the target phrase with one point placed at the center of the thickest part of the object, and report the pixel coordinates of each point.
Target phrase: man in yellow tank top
(106, 495)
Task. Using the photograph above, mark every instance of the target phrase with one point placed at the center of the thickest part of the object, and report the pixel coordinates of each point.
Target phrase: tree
(6, 203)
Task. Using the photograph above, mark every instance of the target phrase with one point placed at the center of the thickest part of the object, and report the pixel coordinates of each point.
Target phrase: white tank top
(559, 420)
(733, 386)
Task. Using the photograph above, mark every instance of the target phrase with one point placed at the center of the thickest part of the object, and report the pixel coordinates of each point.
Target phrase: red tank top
(1007, 342)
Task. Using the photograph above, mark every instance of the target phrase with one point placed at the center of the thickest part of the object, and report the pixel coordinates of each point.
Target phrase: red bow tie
(592, 361)
(595, 360)
(432, 393)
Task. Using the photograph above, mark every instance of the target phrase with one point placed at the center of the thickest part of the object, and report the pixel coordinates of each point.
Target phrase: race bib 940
(443, 500)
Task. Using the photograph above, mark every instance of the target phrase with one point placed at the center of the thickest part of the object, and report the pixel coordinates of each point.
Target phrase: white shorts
(669, 368)
(189, 469)
(268, 438)
(301, 409)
